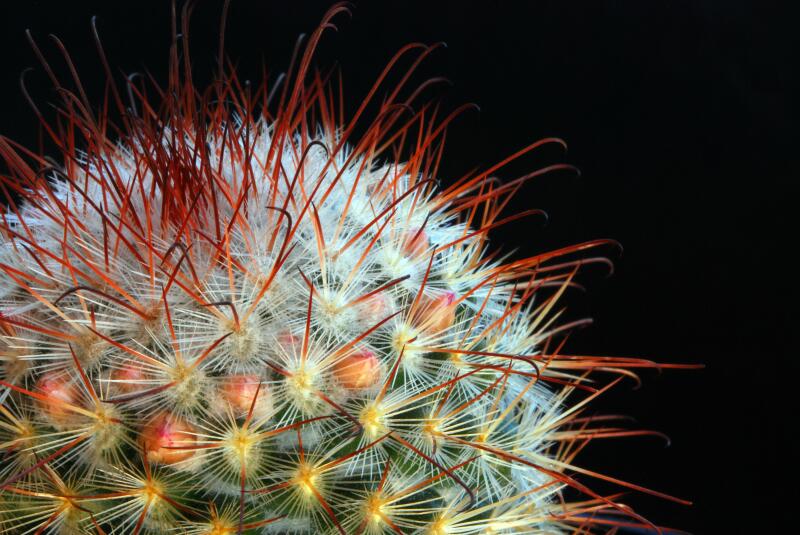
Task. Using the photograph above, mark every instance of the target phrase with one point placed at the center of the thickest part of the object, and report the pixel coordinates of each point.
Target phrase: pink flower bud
(164, 436)
(375, 307)
(58, 388)
(437, 314)
(240, 391)
(358, 370)
(128, 378)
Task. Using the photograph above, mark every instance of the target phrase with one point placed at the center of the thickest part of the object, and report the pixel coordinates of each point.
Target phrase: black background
(682, 116)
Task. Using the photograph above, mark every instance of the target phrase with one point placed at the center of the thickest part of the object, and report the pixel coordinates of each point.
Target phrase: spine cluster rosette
(221, 312)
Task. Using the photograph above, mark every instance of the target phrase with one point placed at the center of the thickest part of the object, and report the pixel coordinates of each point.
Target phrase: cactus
(222, 313)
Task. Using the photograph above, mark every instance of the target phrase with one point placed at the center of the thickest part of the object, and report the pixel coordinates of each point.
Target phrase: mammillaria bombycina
(222, 312)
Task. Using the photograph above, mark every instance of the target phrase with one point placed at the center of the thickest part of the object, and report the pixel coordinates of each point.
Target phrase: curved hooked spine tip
(611, 268)
(598, 243)
(570, 167)
(561, 142)
(336, 9)
(445, 80)
(341, 7)
(616, 244)
(546, 217)
(402, 106)
(22, 75)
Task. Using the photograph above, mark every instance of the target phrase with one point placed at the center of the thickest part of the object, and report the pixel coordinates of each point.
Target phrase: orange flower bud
(358, 370)
(415, 242)
(290, 342)
(375, 307)
(58, 388)
(128, 378)
(240, 391)
(437, 314)
(163, 433)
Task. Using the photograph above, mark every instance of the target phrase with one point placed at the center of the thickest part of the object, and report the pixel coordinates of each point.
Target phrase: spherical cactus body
(223, 312)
